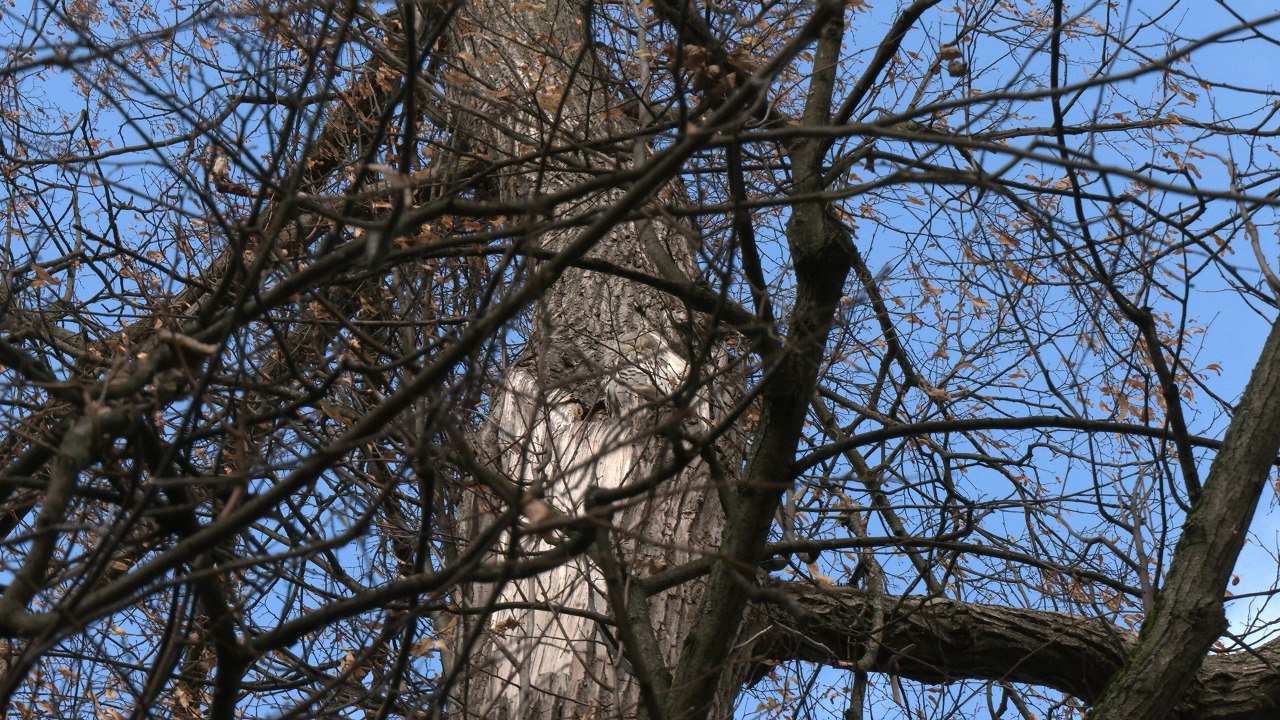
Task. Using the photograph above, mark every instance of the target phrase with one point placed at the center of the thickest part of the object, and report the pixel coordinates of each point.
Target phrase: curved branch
(934, 640)
(1030, 422)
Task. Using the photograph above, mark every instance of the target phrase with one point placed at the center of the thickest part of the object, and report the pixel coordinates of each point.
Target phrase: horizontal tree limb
(936, 640)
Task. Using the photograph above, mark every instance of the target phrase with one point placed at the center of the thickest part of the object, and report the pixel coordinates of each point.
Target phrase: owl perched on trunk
(217, 162)
(645, 369)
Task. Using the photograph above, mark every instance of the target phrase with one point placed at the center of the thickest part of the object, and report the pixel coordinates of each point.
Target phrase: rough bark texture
(818, 246)
(1188, 616)
(937, 640)
(607, 363)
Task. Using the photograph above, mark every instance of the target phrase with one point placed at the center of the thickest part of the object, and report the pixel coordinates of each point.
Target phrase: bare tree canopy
(641, 359)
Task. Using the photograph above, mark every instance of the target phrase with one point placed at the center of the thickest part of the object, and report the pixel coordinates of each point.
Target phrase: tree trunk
(607, 363)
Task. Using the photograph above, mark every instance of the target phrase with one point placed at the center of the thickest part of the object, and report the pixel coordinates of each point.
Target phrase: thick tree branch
(1188, 616)
(934, 640)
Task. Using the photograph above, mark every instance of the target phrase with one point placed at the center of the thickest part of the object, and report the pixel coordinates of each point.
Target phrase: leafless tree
(638, 359)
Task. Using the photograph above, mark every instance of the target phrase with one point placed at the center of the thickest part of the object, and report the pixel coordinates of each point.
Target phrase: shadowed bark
(935, 640)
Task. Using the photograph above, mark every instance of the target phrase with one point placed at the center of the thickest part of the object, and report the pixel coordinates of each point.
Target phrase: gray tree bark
(934, 640)
(609, 361)
(1189, 615)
